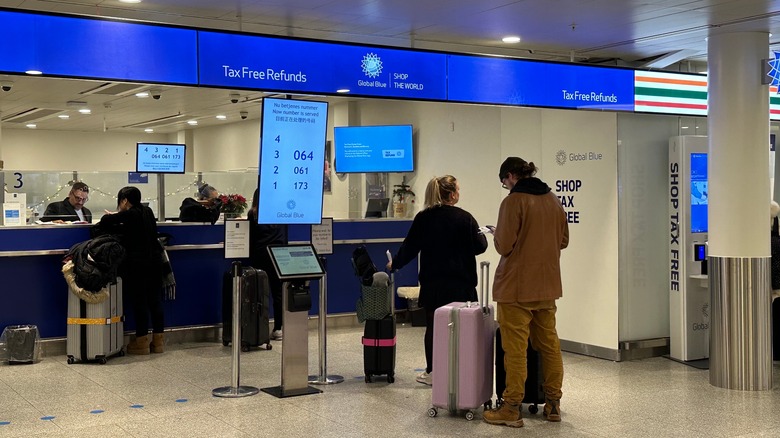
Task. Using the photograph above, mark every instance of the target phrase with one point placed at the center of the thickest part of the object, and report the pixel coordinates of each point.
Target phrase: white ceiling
(630, 33)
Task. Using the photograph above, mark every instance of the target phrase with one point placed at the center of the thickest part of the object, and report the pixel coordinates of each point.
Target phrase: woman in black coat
(141, 270)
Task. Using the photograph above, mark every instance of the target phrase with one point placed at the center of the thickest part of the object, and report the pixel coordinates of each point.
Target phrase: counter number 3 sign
(292, 161)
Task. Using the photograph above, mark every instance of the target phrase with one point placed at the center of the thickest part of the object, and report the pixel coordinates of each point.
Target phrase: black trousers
(142, 285)
(429, 340)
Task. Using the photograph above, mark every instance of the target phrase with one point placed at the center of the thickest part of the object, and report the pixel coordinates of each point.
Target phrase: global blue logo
(560, 157)
(372, 65)
(291, 204)
(774, 70)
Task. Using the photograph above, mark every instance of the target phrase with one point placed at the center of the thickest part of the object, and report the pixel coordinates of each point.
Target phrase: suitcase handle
(484, 287)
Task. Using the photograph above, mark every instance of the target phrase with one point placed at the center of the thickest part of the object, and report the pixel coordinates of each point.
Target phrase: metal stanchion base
(328, 380)
(279, 392)
(234, 392)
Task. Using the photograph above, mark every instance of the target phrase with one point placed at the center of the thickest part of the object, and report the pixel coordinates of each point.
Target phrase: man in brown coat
(530, 232)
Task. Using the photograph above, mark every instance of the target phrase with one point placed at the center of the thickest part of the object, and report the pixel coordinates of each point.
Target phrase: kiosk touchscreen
(295, 262)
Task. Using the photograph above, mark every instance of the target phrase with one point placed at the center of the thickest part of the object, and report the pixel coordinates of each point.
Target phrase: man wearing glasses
(70, 209)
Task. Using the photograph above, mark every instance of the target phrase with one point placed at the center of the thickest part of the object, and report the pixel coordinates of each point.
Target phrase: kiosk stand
(296, 266)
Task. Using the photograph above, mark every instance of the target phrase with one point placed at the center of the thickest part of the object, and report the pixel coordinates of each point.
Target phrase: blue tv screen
(699, 193)
(368, 149)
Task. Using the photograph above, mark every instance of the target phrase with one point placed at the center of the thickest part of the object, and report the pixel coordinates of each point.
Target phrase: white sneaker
(276, 335)
(425, 378)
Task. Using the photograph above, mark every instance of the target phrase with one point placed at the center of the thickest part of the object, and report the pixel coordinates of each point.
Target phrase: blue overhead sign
(478, 79)
(86, 48)
(268, 63)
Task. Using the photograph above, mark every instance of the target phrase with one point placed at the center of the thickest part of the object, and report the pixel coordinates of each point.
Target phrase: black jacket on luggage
(96, 261)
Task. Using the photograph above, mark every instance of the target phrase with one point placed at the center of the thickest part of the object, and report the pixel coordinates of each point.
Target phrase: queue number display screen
(159, 158)
(292, 161)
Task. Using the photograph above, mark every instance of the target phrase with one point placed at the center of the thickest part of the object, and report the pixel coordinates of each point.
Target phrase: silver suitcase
(95, 331)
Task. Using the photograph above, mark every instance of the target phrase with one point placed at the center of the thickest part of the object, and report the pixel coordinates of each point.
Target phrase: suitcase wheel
(102, 361)
(268, 346)
(71, 359)
(368, 378)
(432, 412)
(533, 408)
(121, 353)
(390, 379)
(225, 343)
(244, 348)
(469, 415)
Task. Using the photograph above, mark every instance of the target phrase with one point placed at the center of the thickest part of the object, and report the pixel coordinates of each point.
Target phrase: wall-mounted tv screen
(160, 158)
(368, 149)
(699, 193)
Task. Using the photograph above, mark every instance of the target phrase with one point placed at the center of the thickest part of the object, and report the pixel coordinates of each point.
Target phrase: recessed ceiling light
(192, 122)
(129, 1)
(221, 116)
(31, 125)
(85, 111)
(142, 94)
(342, 90)
(684, 127)
(511, 39)
(148, 130)
(64, 116)
(34, 72)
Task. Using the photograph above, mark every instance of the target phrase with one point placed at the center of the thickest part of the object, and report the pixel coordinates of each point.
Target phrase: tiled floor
(169, 395)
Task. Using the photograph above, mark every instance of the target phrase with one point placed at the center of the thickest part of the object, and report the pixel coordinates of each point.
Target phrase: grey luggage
(95, 331)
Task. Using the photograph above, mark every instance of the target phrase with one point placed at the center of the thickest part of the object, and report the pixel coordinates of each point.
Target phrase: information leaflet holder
(296, 266)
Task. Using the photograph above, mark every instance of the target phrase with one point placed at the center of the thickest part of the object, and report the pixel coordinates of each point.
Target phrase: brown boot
(139, 345)
(157, 343)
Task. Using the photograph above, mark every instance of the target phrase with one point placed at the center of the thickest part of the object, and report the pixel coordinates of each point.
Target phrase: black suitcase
(254, 309)
(379, 348)
(534, 390)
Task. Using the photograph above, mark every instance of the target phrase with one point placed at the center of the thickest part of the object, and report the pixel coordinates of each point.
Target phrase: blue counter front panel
(268, 63)
(88, 48)
(34, 291)
(478, 79)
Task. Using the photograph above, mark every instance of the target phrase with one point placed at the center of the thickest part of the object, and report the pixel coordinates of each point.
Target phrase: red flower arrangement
(231, 204)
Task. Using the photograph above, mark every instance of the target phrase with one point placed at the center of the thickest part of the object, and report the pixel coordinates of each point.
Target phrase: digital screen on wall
(366, 149)
(699, 193)
(160, 158)
(292, 161)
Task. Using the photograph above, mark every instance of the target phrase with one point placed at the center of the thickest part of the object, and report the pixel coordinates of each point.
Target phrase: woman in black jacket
(141, 270)
(447, 238)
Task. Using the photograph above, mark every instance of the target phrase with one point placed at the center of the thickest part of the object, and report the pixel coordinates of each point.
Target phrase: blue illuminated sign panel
(266, 63)
(79, 47)
(292, 161)
(530, 83)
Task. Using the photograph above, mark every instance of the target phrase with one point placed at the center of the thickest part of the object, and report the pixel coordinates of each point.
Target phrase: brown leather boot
(157, 343)
(140, 345)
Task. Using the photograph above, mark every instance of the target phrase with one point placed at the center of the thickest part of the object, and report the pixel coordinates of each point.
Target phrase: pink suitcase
(463, 354)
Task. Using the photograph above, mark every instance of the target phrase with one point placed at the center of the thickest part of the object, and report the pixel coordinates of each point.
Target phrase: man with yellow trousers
(529, 235)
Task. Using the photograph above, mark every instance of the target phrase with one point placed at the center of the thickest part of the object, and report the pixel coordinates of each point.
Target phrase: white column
(738, 119)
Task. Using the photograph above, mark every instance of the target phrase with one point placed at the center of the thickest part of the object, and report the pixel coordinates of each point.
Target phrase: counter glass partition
(43, 187)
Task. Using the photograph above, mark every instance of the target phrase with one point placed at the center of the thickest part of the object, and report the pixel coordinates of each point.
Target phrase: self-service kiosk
(296, 266)
(689, 295)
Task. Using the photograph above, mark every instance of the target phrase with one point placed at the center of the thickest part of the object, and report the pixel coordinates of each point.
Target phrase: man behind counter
(70, 209)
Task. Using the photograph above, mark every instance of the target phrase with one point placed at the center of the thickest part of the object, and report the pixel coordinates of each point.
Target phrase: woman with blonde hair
(447, 239)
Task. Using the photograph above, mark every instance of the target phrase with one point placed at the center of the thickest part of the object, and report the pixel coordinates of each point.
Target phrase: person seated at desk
(70, 209)
(204, 209)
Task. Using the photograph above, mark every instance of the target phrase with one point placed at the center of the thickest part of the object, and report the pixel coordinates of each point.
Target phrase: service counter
(33, 290)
